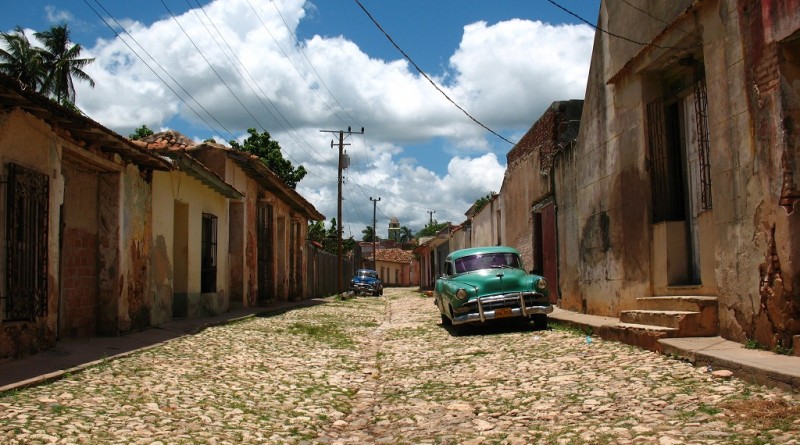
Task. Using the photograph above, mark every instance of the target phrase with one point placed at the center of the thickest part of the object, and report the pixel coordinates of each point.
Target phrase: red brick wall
(79, 283)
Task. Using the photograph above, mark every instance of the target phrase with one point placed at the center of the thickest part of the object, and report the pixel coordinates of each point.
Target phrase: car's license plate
(502, 312)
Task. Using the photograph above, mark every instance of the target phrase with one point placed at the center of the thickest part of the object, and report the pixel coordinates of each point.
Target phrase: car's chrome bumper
(503, 306)
(362, 288)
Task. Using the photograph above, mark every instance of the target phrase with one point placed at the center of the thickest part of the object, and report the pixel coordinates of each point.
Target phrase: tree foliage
(327, 237)
(481, 202)
(140, 133)
(48, 69)
(432, 229)
(269, 151)
(406, 235)
(62, 63)
(369, 234)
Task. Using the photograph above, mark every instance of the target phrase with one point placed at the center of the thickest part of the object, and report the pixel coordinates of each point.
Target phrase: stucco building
(686, 169)
(76, 225)
(394, 266)
(271, 226)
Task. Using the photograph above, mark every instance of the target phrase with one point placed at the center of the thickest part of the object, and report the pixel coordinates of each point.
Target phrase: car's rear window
(487, 261)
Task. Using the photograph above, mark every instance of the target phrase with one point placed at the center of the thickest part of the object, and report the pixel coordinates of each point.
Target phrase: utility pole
(374, 233)
(431, 212)
(342, 166)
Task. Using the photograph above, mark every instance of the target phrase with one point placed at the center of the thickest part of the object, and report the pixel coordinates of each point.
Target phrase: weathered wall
(484, 229)
(79, 261)
(29, 142)
(612, 213)
(523, 184)
(749, 54)
(135, 241)
(169, 188)
(758, 271)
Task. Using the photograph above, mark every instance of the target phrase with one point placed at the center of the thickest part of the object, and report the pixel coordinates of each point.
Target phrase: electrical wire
(288, 128)
(255, 119)
(300, 47)
(428, 77)
(314, 90)
(210, 127)
(605, 31)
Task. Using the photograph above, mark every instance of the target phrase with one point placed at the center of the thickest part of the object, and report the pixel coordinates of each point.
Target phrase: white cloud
(57, 16)
(504, 74)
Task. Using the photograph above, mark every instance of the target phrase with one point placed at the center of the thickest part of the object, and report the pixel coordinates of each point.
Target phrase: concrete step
(640, 335)
(695, 303)
(686, 323)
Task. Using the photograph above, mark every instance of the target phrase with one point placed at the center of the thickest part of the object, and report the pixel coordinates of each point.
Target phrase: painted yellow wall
(169, 187)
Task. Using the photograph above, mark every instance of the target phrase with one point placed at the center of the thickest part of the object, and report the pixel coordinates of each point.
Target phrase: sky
(305, 70)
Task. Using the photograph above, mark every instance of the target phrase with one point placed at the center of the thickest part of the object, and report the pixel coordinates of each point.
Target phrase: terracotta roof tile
(394, 255)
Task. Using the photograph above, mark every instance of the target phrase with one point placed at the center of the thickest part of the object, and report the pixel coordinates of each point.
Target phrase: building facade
(76, 206)
(685, 166)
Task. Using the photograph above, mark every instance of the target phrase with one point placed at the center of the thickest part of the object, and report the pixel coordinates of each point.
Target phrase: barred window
(208, 273)
(27, 224)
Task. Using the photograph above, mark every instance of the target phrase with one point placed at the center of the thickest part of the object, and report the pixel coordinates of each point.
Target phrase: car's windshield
(487, 261)
(366, 274)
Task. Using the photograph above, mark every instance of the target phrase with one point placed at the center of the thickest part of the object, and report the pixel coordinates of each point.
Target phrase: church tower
(394, 229)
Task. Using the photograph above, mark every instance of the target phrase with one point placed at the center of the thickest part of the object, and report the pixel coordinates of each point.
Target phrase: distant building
(394, 229)
(394, 266)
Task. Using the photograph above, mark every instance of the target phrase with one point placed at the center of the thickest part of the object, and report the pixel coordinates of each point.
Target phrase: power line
(427, 77)
(605, 31)
(296, 137)
(300, 47)
(211, 66)
(157, 64)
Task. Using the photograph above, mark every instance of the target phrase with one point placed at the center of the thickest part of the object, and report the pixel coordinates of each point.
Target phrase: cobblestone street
(382, 370)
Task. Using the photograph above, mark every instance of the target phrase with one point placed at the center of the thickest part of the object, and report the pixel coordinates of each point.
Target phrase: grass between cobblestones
(367, 370)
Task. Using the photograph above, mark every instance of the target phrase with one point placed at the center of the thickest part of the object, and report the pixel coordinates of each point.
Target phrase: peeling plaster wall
(523, 185)
(30, 142)
(758, 271)
(750, 55)
(608, 267)
(484, 230)
(135, 251)
(169, 188)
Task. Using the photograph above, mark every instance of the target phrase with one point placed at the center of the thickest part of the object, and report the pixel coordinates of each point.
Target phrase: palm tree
(21, 60)
(405, 234)
(369, 234)
(62, 62)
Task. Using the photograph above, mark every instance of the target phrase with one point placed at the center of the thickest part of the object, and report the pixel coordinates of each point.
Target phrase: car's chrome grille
(505, 300)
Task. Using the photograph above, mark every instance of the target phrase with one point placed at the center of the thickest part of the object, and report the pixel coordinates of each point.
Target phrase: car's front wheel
(446, 320)
(539, 322)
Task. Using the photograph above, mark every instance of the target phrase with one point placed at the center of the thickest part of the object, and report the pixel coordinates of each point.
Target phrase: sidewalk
(752, 365)
(73, 355)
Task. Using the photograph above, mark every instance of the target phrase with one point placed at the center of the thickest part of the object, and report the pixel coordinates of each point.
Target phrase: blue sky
(504, 61)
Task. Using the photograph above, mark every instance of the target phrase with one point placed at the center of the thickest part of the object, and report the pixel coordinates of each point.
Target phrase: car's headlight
(461, 294)
(541, 284)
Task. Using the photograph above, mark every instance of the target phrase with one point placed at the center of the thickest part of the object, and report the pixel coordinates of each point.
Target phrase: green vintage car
(489, 283)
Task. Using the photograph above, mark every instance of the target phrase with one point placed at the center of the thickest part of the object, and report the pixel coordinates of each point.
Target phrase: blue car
(366, 281)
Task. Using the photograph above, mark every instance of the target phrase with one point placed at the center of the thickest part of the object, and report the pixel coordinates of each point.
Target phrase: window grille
(208, 272)
(27, 224)
(701, 124)
(665, 161)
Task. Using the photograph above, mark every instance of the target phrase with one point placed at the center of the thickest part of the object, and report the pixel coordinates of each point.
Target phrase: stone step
(639, 335)
(677, 303)
(687, 323)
